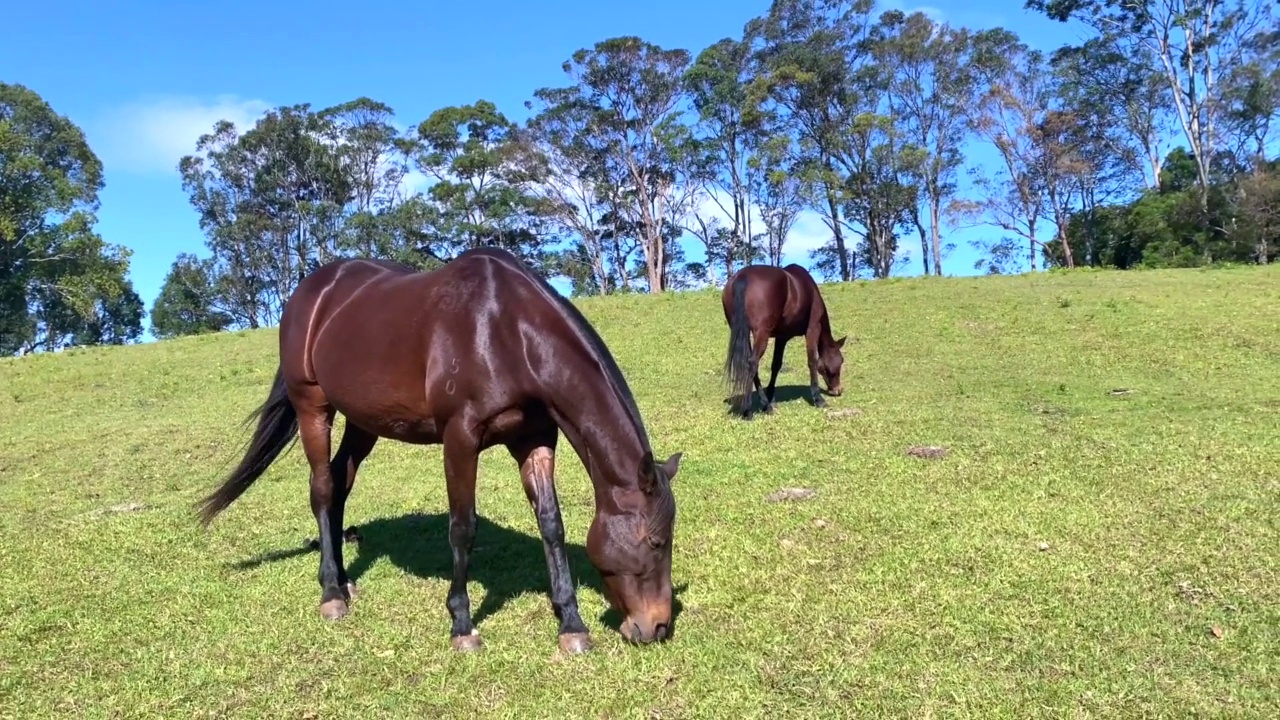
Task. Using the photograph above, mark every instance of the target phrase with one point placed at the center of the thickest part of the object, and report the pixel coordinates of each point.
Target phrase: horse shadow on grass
(505, 562)
(781, 394)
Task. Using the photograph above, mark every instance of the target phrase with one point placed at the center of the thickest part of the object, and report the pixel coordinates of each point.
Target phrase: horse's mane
(599, 351)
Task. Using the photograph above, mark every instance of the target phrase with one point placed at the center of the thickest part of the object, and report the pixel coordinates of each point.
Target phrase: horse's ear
(672, 465)
(648, 473)
(840, 342)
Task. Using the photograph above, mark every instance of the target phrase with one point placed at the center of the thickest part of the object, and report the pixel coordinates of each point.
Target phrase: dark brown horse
(762, 302)
(481, 352)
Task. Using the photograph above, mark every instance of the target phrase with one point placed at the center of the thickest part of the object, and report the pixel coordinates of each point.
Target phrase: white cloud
(809, 233)
(153, 134)
(414, 182)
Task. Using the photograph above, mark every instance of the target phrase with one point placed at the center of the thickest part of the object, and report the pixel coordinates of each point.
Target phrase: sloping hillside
(1100, 539)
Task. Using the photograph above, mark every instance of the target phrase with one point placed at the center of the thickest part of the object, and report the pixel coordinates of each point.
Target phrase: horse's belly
(419, 430)
(375, 375)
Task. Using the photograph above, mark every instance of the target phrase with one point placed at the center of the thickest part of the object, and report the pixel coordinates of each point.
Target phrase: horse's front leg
(460, 459)
(537, 474)
(815, 393)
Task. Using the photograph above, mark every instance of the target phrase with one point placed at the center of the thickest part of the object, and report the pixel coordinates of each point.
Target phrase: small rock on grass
(792, 494)
(927, 452)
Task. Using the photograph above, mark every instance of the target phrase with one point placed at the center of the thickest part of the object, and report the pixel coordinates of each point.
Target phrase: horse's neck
(818, 315)
(600, 429)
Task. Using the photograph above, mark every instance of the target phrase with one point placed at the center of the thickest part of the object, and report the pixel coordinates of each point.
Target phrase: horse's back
(763, 283)
(385, 293)
(774, 298)
(374, 334)
(802, 278)
(342, 277)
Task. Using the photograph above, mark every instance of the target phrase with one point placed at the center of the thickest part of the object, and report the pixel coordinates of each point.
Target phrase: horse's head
(631, 547)
(830, 360)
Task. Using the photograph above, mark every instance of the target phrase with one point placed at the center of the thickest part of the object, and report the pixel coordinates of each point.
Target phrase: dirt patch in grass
(788, 494)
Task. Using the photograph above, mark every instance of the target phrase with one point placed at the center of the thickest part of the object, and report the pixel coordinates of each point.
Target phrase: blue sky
(145, 79)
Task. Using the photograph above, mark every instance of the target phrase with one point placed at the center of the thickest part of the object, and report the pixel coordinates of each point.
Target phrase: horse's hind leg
(759, 342)
(779, 345)
(315, 425)
(537, 473)
(355, 447)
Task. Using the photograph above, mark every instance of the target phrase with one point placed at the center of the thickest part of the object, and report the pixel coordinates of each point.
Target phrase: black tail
(737, 363)
(277, 429)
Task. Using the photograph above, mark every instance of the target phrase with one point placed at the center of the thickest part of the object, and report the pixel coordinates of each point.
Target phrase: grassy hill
(1079, 552)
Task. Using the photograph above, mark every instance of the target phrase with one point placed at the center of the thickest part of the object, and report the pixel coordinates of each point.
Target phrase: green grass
(906, 588)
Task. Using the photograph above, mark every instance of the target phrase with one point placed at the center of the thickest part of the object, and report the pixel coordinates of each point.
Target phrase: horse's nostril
(661, 631)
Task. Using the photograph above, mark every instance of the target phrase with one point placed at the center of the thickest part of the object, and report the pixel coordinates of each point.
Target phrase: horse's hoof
(352, 591)
(768, 409)
(575, 643)
(467, 643)
(335, 609)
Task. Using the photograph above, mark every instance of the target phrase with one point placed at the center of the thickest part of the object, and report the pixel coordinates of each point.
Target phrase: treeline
(1148, 145)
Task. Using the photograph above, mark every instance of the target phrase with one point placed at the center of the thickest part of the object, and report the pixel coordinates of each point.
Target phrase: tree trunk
(935, 238)
(839, 236)
(924, 248)
(1031, 243)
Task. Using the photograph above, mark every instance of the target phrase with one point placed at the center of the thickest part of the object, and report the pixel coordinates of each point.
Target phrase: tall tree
(482, 192)
(576, 187)
(271, 203)
(375, 160)
(717, 84)
(1252, 115)
(635, 89)
(880, 195)
(1120, 92)
(777, 189)
(188, 301)
(1197, 42)
(1014, 115)
(60, 283)
(931, 87)
(808, 54)
(1258, 198)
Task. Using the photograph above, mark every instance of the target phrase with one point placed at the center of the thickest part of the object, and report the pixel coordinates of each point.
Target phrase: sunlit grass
(1079, 552)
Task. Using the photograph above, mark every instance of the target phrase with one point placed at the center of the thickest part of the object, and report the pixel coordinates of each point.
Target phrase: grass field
(1079, 552)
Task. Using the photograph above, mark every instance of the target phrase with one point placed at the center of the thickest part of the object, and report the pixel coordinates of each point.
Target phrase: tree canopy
(61, 284)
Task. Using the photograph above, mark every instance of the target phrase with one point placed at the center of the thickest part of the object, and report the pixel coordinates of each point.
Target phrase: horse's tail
(737, 363)
(277, 429)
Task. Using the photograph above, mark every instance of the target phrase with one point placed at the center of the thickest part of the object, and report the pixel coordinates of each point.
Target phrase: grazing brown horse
(481, 352)
(762, 302)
